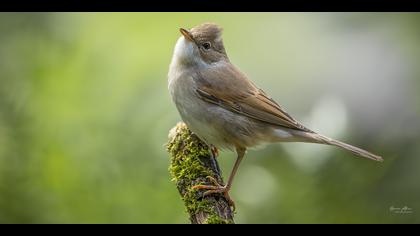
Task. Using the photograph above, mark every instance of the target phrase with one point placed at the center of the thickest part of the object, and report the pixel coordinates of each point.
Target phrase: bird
(227, 110)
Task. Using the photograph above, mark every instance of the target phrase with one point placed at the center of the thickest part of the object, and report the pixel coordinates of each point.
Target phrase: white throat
(186, 54)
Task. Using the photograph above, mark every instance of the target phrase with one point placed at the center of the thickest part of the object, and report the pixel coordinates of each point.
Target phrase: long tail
(317, 138)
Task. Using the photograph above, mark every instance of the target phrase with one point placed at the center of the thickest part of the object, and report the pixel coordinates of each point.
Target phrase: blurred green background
(85, 113)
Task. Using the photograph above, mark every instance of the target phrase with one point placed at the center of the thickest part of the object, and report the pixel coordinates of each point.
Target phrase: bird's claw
(216, 188)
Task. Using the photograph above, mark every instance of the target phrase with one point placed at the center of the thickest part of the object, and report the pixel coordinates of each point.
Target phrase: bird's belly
(203, 121)
(212, 123)
(209, 132)
(220, 127)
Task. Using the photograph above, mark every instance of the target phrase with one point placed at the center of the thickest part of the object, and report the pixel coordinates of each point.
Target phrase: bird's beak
(187, 34)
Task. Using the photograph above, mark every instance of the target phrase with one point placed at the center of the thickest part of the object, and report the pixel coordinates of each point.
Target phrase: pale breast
(194, 112)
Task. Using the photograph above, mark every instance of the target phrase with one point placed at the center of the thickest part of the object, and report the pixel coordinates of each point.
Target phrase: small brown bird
(224, 108)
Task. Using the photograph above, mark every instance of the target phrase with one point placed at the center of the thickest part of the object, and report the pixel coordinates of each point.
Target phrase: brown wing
(227, 87)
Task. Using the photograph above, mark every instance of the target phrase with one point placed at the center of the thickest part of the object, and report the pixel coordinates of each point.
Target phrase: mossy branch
(191, 162)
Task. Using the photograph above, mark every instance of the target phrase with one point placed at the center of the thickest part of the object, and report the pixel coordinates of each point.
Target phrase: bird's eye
(206, 45)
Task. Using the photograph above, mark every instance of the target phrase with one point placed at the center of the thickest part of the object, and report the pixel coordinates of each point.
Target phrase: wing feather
(227, 87)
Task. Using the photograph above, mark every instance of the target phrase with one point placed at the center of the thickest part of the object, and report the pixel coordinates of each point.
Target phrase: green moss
(214, 219)
(186, 150)
(187, 170)
(194, 204)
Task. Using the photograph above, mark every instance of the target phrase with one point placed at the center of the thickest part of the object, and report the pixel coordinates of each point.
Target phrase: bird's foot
(214, 151)
(216, 188)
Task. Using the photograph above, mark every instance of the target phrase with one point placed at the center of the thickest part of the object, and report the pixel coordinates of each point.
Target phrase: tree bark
(191, 162)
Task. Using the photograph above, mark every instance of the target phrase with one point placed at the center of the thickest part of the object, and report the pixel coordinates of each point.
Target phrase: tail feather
(355, 150)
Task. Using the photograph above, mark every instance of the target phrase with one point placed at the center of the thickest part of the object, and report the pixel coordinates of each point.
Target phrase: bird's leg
(224, 189)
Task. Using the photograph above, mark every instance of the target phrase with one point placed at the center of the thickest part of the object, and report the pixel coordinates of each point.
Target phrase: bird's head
(201, 44)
